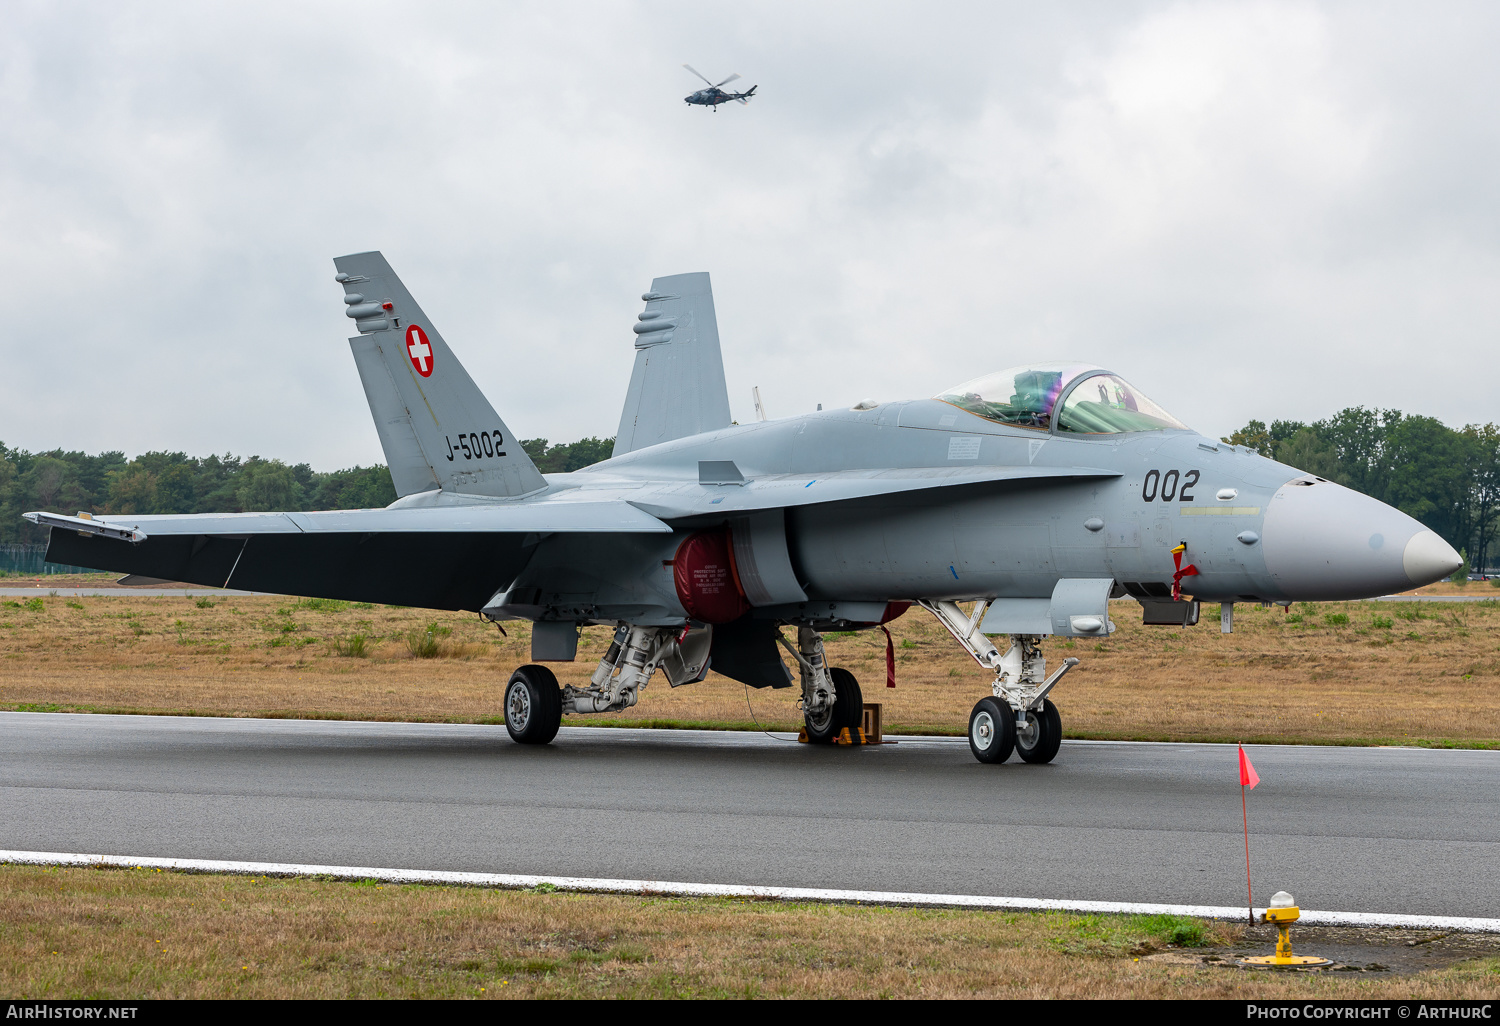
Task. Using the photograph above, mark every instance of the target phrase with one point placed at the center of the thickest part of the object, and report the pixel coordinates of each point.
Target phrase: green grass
(352, 646)
(424, 642)
(1110, 934)
(322, 605)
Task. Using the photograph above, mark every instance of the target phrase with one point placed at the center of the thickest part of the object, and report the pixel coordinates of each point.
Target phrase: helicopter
(713, 95)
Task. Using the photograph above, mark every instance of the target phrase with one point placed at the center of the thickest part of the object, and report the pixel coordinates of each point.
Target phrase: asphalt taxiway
(1410, 831)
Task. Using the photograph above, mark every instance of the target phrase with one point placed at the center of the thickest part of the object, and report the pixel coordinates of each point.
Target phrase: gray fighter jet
(1014, 505)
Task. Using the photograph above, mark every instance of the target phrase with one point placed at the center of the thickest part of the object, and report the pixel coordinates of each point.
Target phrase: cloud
(1250, 209)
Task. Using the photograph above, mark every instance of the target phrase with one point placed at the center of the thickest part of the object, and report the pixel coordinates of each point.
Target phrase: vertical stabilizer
(438, 430)
(677, 386)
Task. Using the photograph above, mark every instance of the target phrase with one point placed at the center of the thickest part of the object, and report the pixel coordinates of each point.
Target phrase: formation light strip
(706, 890)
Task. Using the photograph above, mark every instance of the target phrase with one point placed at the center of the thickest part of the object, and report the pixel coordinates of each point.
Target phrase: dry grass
(89, 933)
(1431, 677)
(1475, 589)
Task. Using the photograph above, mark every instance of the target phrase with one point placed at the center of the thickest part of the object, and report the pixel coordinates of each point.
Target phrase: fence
(28, 559)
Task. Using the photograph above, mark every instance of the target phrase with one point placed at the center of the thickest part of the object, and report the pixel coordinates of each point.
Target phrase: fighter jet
(1013, 506)
(713, 95)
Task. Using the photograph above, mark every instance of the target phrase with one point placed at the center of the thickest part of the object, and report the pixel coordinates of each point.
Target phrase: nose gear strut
(1020, 683)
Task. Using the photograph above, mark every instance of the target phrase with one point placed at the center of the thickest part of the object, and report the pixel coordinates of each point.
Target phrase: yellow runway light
(1282, 914)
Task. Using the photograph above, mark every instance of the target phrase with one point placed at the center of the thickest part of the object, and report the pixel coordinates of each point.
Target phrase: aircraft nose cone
(1325, 542)
(1428, 558)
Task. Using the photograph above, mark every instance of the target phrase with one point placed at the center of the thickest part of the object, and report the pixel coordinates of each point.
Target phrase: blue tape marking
(811, 483)
(953, 572)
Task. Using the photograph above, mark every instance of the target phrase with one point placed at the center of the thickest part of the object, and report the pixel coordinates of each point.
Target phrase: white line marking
(707, 890)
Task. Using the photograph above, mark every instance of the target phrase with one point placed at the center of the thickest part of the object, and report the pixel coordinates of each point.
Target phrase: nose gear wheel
(1042, 736)
(992, 730)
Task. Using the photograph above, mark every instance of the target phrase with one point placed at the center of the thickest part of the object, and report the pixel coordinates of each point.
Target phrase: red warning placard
(419, 349)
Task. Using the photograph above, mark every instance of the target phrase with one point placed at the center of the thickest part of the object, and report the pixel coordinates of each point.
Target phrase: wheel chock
(802, 736)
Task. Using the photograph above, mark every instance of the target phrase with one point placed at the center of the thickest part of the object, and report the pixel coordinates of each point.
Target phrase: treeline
(173, 482)
(567, 457)
(1447, 479)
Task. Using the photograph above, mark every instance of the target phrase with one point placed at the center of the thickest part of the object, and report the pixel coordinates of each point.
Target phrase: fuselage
(1255, 529)
(715, 96)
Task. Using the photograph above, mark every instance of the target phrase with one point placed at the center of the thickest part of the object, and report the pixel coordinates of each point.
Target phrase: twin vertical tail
(677, 385)
(437, 428)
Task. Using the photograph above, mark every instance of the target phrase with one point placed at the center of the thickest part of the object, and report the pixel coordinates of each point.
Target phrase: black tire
(1043, 734)
(533, 706)
(848, 709)
(992, 730)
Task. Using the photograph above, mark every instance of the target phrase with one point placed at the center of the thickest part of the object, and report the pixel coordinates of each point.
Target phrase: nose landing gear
(1018, 716)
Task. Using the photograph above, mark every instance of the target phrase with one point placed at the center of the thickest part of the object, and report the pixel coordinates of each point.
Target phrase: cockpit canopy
(1094, 401)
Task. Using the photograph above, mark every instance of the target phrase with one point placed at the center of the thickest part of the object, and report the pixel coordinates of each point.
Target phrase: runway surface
(1365, 830)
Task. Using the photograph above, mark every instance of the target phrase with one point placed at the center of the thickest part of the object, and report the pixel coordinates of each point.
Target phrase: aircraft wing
(597, 516)
(707, 498)
(450, 557)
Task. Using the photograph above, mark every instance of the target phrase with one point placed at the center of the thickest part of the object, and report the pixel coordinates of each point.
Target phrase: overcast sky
(1269, 210)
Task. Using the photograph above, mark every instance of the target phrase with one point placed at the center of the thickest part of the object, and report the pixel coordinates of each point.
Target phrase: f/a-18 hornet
(713, 95)
(1014, 505)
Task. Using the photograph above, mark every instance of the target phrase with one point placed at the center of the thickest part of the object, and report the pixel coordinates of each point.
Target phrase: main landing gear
(831, 699)
(1018, 717)
(534, 704)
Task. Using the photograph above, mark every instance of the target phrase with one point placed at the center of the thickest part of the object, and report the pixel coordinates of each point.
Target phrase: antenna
(760, 410)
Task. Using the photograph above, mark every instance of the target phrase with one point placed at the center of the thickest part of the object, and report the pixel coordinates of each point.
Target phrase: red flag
(1248, 777)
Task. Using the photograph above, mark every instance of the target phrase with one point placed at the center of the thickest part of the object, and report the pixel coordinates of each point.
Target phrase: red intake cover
(707, 585)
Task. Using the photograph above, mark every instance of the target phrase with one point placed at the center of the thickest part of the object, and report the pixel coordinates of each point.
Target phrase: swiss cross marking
(419, 349)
